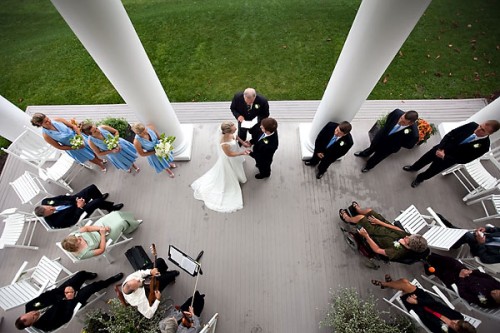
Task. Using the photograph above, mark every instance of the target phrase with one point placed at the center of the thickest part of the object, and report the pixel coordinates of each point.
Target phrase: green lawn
(207, 50)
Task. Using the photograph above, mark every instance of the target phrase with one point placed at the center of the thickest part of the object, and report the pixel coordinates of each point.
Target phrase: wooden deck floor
(269, 267)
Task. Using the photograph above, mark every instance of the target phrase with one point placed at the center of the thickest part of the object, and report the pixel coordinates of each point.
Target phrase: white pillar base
(185, 153)
(306, 147)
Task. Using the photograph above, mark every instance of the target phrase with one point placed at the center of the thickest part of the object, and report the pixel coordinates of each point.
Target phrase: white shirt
(138, 297)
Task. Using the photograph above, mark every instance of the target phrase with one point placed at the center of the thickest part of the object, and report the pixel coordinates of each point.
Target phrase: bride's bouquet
(165, 146)
(76, 142)
(112, 141)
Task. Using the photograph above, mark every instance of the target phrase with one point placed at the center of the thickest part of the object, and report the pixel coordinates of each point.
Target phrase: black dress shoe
(260, 176)
(199, 256)
(117, 207)
(415, 183)
(117, 277)
(359, 154)
(365, 170)
(308, 163)
(408, 168)
(176, 273)
(319, 175)
(105, 196)
(92, 276)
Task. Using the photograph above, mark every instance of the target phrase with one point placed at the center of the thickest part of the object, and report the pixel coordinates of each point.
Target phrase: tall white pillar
(377, 33)
(107, 33)
(13, 120)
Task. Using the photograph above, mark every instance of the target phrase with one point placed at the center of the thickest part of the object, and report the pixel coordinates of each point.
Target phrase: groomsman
(461, 145)
(248, 105)
(400, 130)
(333, 142)
(265, 146)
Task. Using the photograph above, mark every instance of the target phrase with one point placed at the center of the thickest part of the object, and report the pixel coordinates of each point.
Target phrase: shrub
(348, 313)
(119, 124)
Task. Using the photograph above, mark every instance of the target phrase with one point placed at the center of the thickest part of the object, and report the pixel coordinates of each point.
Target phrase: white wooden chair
(412, 221)
(30, 283)
(495, 201)
(28, 187)
(18, 225)
(122, 239)
(31, 148)
(439, 236)
(396, 302)
(211, 325)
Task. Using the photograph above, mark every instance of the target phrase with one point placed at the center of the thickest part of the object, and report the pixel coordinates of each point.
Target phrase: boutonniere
(397, 244)
(407, 130)
(444, 327)
(341, 143)
(257, 106)
(51, 202)
(266, 141)
(482, 299)
(477, 145)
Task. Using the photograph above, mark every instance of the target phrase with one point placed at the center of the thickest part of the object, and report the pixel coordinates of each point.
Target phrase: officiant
(249, 109)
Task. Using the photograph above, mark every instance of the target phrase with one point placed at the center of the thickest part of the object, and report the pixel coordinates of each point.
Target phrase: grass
(287, 49)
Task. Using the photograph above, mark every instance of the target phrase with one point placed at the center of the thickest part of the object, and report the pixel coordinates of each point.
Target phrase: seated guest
(90, 241)
(54, 308)
(484, 243)
(136, 293)
(474, 286)
(436, 316)
(383, 237)
(184, 318)
(64, 211)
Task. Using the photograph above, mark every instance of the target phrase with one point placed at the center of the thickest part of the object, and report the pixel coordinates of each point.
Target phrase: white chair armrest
(9, 211)
(436, 217)
(19, 272)
(443, 297)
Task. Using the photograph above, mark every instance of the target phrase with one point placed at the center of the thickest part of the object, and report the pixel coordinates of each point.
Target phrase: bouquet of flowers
(425, 130)
(165, 147)
(112, 141)
(76, 142)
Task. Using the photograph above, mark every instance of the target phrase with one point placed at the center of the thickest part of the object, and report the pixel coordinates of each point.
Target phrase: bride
(219, 188)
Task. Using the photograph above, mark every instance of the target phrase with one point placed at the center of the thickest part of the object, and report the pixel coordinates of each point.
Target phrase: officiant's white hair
(225, 127)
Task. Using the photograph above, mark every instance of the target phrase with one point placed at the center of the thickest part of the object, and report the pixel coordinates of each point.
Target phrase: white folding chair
(495, 201)
(18, 225)
(439, 236)
(30, 283)
(211, 325)
(28, 187)
(411, 220)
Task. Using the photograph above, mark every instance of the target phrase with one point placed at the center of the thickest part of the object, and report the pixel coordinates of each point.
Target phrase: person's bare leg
(359, 210)
(353, 220)
(401, 284)
(97, 161)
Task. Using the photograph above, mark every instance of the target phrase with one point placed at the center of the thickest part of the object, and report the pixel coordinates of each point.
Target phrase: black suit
(259, 109)
(455, 151)
(263, 152)
(69, 216)
(384, 144)
(61, 310)
(332, 153)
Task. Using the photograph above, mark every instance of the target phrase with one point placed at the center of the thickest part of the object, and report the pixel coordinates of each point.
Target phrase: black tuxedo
(263, 152)
(384, 144)
(61, 309)
(332, 153)
(259, 109)
(69, 216)
(455, 151)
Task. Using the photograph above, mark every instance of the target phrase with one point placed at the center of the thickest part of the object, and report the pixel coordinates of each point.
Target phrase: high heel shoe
(104, 161)
(388, 278)
(170, 173)
(378, 283)
(137, 169)
(173, 165)
(104, 170)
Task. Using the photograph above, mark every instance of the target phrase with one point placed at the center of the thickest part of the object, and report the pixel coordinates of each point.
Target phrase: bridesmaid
(146, 138)
(59, 132)
(122, 157)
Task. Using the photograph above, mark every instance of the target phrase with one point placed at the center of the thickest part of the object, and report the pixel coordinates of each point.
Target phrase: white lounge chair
(495, 201)
(28, 187)
(30, 283)
(18, 229)
(411, 220)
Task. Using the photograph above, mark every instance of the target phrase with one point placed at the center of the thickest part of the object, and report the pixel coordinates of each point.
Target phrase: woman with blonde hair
(146, 138)
(220, 187)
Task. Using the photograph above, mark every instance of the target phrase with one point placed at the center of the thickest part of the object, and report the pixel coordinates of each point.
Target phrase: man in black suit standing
(247, 105)
(333, 142)
(461, 145)
(400, 130)
(264, 147)
(54, 308)
(64, 211)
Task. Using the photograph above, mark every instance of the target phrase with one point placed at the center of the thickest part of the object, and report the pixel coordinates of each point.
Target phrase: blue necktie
(469, 139)
(62, 207)
(332, 141)
(262, 137)
(395, 129)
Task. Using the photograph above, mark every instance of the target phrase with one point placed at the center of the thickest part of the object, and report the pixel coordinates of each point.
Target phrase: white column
(107, 33)
(377, 33)
(489, 112)
(13, 120)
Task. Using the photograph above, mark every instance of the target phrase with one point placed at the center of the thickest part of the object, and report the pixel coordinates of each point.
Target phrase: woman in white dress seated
(220, 188)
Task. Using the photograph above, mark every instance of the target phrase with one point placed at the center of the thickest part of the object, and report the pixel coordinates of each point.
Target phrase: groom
(264, 147)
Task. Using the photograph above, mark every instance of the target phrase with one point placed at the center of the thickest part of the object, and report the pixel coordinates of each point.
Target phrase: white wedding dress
(220, 187)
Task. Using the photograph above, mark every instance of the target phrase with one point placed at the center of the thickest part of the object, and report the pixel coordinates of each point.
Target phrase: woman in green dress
(90, 241)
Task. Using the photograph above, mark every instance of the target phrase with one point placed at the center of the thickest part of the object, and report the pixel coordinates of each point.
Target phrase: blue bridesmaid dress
(159, 164)
(63, 135)
(124, 158)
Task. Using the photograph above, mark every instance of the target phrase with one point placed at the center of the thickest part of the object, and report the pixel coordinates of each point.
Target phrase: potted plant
(121, 125)
(377, 126)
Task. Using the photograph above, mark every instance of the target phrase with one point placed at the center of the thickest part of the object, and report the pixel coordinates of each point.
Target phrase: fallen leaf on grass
(438, 56)
(384, 81)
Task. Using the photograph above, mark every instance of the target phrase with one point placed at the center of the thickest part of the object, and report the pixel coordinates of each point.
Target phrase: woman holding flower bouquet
(105, 141)
(65, 135)
(148, 143)
(220, 188)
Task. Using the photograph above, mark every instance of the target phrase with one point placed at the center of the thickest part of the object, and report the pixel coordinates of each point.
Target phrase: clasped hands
(104, 230)
(440, 153)
(480, 237)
